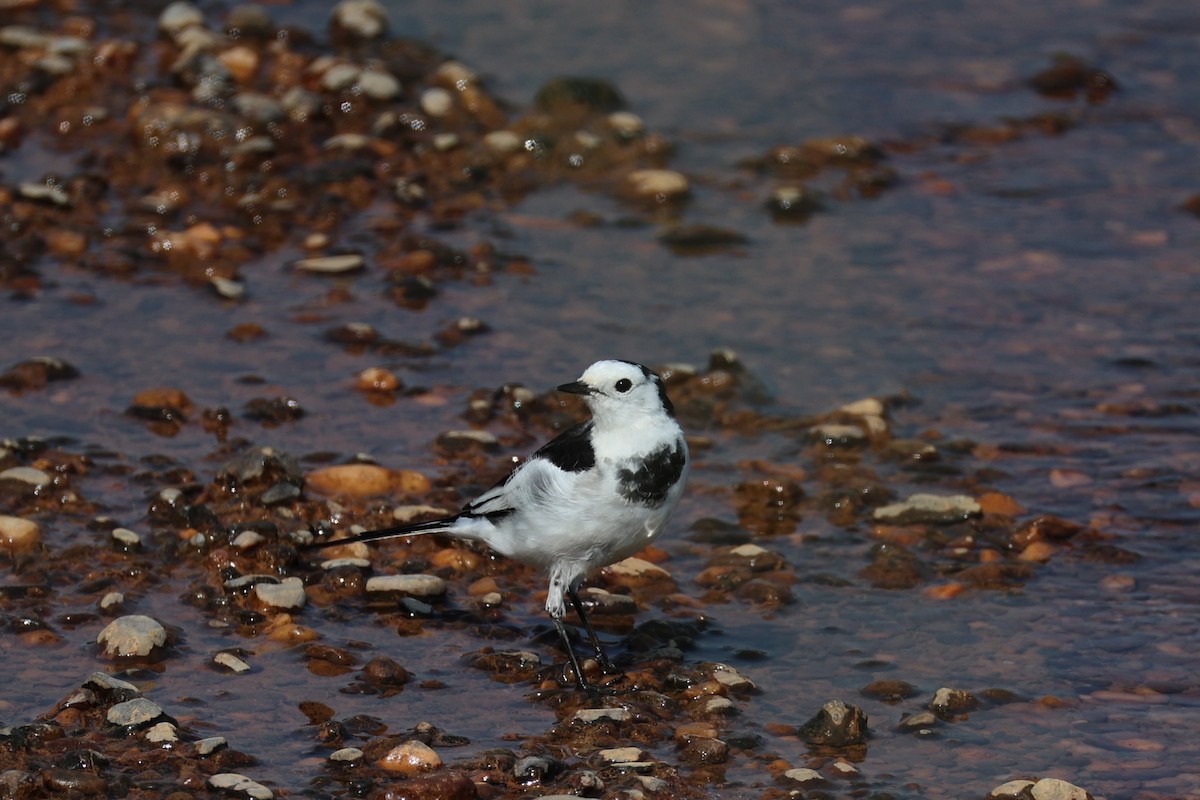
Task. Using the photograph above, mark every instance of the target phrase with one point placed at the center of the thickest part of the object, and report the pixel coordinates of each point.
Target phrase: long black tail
(432, 526)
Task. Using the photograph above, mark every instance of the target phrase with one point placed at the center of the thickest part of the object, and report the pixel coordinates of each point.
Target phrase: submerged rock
(837, 724)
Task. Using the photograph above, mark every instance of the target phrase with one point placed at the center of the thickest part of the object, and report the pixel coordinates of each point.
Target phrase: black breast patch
(650, 482)
(571, 450)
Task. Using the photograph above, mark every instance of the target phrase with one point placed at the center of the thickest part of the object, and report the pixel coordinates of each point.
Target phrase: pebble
(346, 754)
(804, 775)
(240, 784)
(947, 701)
(626, 124)
(125, 538)
(162, 732)
(929, 509)
(1055, 789)
(289, 593)
(248, 539)
(227, 287)
(590, 715)
(621, 755)
(410, 585)
(18, 535)
(107, 683)
(1011, 789)
(410, 758)
(137, 711)
(132, 635)
(363, 18)
(837, 435)
(331, 265)
(379, 85)
(837, 724)
(112, 600)
(30, 475)
(210, 745)
(230, 662)
(178, 16)
(334, 563)
(659, 185)
(638, 568)
(730, 677)
(377, 379)
(503, 142)
(340, 76)
(436, 101)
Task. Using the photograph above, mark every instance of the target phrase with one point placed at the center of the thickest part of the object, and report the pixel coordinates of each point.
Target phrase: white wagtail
(598, 493)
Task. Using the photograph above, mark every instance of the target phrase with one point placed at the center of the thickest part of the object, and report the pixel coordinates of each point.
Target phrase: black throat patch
(650, 482)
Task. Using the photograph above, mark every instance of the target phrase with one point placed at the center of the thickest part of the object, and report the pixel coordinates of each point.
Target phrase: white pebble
(233, 782)
(436, 102)
(133, 635)
(287, 594)
(162, 732)
(412, 585)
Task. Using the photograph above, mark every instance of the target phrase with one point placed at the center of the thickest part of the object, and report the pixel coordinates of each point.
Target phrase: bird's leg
(606, 664)
(580, 681)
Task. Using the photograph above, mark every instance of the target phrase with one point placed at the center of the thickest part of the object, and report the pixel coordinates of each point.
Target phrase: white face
(619, 387)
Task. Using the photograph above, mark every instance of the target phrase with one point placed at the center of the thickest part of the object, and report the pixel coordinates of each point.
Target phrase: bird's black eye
(623, 385)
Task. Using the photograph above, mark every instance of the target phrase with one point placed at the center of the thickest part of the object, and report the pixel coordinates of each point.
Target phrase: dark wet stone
(1069, 76)
(282, 492)
(18, 785)
(793, 203)
(537, 769)
(447, 785)
(261, 465)
(703, 750)
(661, 638)
(383, 671)
(893, 567)
(697, 239)
(995, 575)
(36, 373)
(948, 703)
(508, 666)
(273, 410)
(713, 531)
(74, 782)
(563, 94)
(837, 724)
(765, 593)
(769, 506)
(889, 691)
(1046, 527)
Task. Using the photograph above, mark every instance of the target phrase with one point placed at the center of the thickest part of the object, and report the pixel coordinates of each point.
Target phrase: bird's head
(616, 388)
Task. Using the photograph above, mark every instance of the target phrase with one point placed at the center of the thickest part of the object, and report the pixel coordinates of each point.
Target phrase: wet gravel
(868, 599)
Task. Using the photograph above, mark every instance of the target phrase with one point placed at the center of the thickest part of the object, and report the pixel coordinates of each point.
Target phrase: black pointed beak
(576, 387)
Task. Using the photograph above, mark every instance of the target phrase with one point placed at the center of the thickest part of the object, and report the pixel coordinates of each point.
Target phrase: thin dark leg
(566, 640)
(605, 663)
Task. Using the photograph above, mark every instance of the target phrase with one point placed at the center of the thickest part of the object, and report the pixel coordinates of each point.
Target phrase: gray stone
(162, 732)
(930, 509)
(1055, 789)
(364, 18)
(230, 662)
(30, 475)
(137, 711)
(346, 754)
(206, 747)
(590, 715)
(179, 16)
(837, 724)
(411, 585)
(803, 775)
(1011, 789)
(233, 782)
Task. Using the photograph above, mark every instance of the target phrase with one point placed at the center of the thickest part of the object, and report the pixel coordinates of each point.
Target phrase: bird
(597, 493)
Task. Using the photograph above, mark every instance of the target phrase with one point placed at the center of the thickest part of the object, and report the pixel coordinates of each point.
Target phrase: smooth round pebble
(178, 16)
(210, 745)
(410, 758)
(346, 754)
(436, 102)
(132, 635)
(657, 184)
(18, 535)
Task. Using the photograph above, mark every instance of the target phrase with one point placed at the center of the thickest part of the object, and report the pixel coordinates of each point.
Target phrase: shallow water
(1037, 296)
